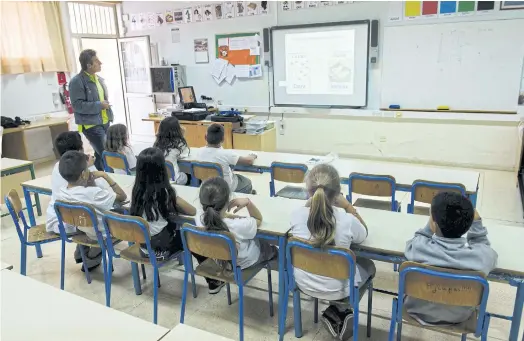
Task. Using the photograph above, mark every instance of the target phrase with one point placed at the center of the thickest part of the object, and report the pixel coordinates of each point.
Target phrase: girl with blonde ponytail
(328, 219)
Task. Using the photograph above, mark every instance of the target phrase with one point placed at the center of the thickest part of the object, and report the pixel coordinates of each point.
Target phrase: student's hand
(238, 204)
(477, 215)
(343, 203)
(253, 156)
(99, 174)
(90, 160)
(105, 105)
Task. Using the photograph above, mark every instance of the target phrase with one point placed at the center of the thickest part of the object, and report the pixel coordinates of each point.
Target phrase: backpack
(8, 122)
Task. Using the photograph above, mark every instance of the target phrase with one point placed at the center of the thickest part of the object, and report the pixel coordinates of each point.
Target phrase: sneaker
(346, 332)
(91, 268)
(159, 254)
(332, 322)
(215, 286)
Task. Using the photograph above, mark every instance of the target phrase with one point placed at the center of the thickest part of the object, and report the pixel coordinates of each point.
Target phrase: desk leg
(282, 290)
(517, 310)
(37, 196)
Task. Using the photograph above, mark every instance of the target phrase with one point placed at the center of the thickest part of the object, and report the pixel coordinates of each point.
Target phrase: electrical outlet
(282, 127)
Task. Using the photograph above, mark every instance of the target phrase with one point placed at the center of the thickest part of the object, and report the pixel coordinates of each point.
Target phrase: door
(107, 51)
(135, 56)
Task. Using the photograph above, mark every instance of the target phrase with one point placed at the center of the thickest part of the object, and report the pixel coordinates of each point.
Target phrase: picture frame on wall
(505, 5)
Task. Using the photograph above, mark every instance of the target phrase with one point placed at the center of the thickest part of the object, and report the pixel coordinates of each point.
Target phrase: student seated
(117, 141)
(214, 152)
(66, 141)
(155, 200)
(171, 141)
(328, 219)
(81, 188)
(441, 243)
(215, 198)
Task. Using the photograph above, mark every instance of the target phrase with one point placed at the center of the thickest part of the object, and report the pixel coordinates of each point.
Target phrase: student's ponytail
(212, 220)
(323, 185)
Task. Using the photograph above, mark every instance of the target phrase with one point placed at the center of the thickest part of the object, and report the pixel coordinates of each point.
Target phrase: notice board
(238, 48)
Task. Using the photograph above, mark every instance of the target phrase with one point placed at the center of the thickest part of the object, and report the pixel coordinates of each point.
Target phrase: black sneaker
(346, 332)
(215, 286)
(331, 319)
(91, 268)
(253, 192)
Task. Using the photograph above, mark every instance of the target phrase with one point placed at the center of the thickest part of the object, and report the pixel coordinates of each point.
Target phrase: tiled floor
(498, 199)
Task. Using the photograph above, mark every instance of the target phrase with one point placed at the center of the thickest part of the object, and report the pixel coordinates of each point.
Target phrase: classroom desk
(32, 310)
(14, 144)
(185, 332)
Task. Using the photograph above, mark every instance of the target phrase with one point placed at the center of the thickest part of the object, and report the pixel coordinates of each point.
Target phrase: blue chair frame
(66, 239)
(483, 317)
(117, 155)
(194, 180)
(144, 228)
(237, 273)
(292, 287)
(395, 206)
(274, 165)
(17, 216)
(442, 186)
(171, 168)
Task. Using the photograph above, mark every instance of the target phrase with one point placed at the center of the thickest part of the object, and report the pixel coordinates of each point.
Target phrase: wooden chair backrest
(321, 263)
(290, 175)
(377, 188)
(14, 200)
(435, 289)
(426, 194)
(204, 173)
(77, 216)
(126, 230)
(170, 169)
(207, 246)
(115, 162)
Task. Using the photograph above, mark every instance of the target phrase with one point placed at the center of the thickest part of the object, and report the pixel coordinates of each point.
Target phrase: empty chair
(373, 185)
(425, 191)
(205, 170)
(114, 161)
(442, 286)
(28, 235)
(221, 246)
(290, 173)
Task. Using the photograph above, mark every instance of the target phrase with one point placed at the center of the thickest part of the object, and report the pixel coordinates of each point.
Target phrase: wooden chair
(135, 230)
(333, 262)
(79, 215)
(114, 161)
(170, 170)
(290, 173)
(205, 170)
(425, 191)
(219, 246)
(30, 235)
(442, 286)
(374, 185)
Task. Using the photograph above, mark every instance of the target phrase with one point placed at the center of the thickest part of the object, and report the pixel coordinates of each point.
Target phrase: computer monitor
(187, 95)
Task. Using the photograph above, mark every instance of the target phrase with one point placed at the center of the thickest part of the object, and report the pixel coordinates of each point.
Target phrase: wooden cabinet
(265, 142)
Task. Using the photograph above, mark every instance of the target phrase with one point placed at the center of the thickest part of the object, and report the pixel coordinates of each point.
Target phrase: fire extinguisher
(64, 96)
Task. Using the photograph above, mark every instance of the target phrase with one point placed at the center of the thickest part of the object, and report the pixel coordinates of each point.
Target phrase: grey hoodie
(471, 253)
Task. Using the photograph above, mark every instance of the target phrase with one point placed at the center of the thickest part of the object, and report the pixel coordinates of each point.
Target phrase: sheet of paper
(194, 110)
(254, 51)
(255, 71)
(230, 73)
(254, 40)
(239, 43)
(218, 67)
(221, 78)
(242, 71)
(223, 42)
(175, 35)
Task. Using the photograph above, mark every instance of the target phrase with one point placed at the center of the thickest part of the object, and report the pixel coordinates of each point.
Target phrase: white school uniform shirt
(58, 182)
(224, 157)
(244, 230)
(173, 157)
(131, 159)
(348, 230)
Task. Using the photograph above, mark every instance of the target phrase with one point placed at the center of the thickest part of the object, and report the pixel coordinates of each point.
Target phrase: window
(31, 37)
(96, 19)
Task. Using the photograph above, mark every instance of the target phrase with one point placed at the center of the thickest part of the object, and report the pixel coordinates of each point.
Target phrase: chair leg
(395, 267)
(297, 312)
(399, 332)
(181, 259)
(109, 280)
(106, 272)
(485, 328)
(39, 253)
(228, 289)
(356, 313)
(184, 294)
(241, 311)
(393, 322)
(143, 271)
(282, 314)
(23, 259)
(370, 307)
(463, 337)
(270, 291)
(158, 276)
(84, 264)
(62, 266)
(315, 311)
(156, 284)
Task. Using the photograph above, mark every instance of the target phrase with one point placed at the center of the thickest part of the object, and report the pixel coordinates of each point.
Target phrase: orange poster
(238, 48)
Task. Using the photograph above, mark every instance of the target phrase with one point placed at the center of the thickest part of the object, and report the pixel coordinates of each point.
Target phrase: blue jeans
(97, 137)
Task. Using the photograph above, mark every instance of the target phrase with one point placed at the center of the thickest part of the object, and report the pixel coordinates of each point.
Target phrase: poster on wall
(253, 7)
(240, 8)
(142, 21)
(208, 12)
(298, 4)
(286, 5)
(151, 20)
(178, 16)
(197, 14)
(218, 11)
(188, 15)
(134, 22)
(169, 17)
(175, 35)
(312, 4)
(201, 51)
(325, 3)
(264, 7)
(228, 10)
(159, 19)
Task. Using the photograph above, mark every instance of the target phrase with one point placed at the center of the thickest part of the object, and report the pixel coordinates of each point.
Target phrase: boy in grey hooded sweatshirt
(441, 243)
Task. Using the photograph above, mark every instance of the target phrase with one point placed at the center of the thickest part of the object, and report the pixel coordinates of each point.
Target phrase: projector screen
(321, 64)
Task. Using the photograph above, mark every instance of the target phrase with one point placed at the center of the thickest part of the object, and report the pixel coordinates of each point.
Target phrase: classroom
(262, 170)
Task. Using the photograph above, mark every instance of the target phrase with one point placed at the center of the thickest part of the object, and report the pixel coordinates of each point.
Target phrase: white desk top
(8, 164)
(31, 310)
(185, 332)
(5, 266)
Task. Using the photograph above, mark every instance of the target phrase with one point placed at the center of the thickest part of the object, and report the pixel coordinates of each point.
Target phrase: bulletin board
(236, 56)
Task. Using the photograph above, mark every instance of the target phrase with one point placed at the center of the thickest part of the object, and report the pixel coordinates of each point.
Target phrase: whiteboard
(468, 65)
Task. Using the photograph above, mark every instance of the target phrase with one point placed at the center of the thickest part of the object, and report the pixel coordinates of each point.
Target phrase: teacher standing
(89, 100)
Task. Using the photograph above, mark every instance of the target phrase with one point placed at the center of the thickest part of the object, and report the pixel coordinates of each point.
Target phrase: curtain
(31, 37)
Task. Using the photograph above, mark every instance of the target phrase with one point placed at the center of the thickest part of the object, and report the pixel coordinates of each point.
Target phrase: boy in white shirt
(328, 219)
(214, 152)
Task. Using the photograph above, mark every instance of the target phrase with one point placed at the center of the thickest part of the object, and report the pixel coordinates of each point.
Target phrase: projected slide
(320, 63)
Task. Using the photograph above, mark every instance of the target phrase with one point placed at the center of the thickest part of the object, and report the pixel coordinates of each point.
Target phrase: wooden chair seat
(421, 210)
(83, 239)
(293, 192)
(465, 327)
(133, 254)
(374, 204)
(211, 269)
(39, 234)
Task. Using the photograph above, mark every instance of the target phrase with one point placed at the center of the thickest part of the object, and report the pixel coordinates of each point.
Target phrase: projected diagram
(298, 74)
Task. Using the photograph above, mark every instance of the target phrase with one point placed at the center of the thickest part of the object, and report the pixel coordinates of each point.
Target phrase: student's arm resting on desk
(120, 194)
(344, 204)
(184, 207)
(478, 241)
(239, 203)
(246, 160)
